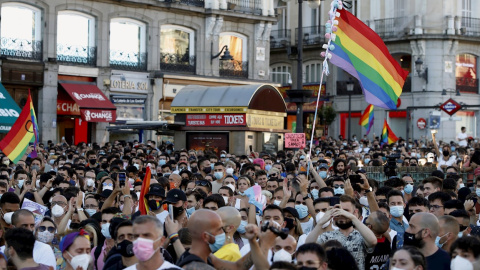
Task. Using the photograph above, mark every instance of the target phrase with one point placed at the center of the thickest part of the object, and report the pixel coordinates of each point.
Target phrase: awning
(94, 105)
(9, 110)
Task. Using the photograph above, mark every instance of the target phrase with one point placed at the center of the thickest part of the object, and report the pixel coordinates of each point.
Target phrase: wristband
(127, 196)
(79, 209)
(172, 240)
(173, 235)
(306, 197)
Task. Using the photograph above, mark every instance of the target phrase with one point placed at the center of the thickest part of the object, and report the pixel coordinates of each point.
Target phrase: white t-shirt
(448, 162)
(162, 216)
(307, 227)
(165, 265)
(462, 136)
(43, 253)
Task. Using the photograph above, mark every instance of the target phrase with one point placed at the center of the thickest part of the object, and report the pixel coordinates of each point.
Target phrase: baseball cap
(157, 190)
(175, 195)
(292, 211)
(101, 174)
(323, 166)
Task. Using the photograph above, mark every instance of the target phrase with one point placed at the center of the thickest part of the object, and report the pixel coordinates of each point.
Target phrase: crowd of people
(78, 207)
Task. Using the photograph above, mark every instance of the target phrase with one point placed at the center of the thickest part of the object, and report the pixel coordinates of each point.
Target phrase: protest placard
(295, 140)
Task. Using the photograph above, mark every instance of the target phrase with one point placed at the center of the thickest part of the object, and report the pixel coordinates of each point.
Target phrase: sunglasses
(50, 229)
(202, 183)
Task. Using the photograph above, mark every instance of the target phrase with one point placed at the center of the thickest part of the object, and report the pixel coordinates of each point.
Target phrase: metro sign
(450, 107)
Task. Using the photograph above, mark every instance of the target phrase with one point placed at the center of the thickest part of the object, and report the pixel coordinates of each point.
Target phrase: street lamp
(350, 86)
(225, 56)
(419, 69)
(300, 93)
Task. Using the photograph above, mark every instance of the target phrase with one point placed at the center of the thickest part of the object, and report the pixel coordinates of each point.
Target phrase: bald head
(202, 220)
(230, 216)
(289, 244)
(448, 224)
(175, 178)
(378, 221)
(426, 220)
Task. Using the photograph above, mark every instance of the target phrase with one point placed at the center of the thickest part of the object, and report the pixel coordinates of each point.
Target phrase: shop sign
(128, 100)
(209, 109)
(215, 120)
(295, 140)
(67, 108)
(129, 82)
(264, 121)
(96, 115)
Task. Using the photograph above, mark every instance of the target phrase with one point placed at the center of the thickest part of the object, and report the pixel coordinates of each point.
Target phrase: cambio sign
(91, 115)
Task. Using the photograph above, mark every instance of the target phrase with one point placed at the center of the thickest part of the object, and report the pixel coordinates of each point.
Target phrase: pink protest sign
(295, 140)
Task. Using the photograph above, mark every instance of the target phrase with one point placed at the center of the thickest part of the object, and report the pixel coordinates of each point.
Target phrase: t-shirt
(462, 136)
(447, 163)
(229, 252)
(379, 256)
(439, 260)
(165, 265)
(307, 227)
(43, 254)
(216, 186)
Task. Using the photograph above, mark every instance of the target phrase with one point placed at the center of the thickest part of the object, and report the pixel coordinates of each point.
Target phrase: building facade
(132, 55)
(443, 35)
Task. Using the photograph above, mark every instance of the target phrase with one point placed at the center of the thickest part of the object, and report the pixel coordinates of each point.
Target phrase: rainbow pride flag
(23, 133)
(358, 50)
(388, 137)
(143, 205)
(367, 118)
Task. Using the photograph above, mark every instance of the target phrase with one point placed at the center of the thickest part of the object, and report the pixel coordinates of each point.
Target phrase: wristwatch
(368, 190)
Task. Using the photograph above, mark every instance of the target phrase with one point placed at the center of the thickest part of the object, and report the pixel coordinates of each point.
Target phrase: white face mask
(20, 183)
(82, 261)
(45, 237)
(90, 182)
(37, 184)
(363, 201)
(232, 187)
(282, 256)
(229, 171)
(7, 217)
(225, 198)
(57, 211)
(277, 202)
(460, 263)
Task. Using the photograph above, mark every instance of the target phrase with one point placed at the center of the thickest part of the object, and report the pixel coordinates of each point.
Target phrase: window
(466, 73)
(312, 72)
(467, 9)
(76, 38)
(281, 74)
(21, 31)
(128, 44)
(177, 48)
(237, 45)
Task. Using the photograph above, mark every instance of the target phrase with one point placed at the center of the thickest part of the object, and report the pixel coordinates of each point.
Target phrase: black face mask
(92, 161)
(125, 248)
(446, 153)
(100, 204)
(344, 226)
(74, 226)
(177, 211)
(410, 239)
(152, 204)
(463, 228)
(290, 225)
(194, 169)
(207, 170)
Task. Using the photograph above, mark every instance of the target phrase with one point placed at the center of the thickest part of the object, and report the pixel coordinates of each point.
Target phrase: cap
(101, 174)
(292, 211)
(105, 194)
(68, 239)
(323, 166)
(175, 195)
(157, 190)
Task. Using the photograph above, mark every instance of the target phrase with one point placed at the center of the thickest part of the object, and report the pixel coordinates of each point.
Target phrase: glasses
(202, 183)
(62, 204)
(436, 207)
(50, 229)
(108, 184)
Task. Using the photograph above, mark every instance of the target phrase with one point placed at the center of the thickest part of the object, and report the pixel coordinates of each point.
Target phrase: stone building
(83, 59)
(442, 36)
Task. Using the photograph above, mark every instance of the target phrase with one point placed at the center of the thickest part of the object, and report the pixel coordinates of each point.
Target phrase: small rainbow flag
(367, 118)
(23, 132)
(143, 207)
(388, 137)
(361, 52)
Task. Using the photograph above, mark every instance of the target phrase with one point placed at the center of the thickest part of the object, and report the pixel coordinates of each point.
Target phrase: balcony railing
(245, 6)
(177, 62)
(392, 27)
(77, 55)
(280, 38)
(234, 69)
(196, 3)
(21, 49)
(468, 85)
(312, 35)
(128, 60)
(470, 26)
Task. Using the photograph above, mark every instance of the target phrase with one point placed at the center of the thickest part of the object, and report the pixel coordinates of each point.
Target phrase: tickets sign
(215, 120)
(295, 140)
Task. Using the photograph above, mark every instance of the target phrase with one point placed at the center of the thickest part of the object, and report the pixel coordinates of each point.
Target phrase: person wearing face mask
(121, 255)
(397, 207)
(444, 158)
(155, 200)
(75, 249)
(408, 258)
(293, 224)
(9, 203)
(194, 201)
(323, 170)
(178, 200)
(45, 233)
(422, 233)
(19, 249)
(283, 250)
(148, 239)
(219, 173)
(204, 167)
(311, 256)
(378, 223)
(447, 233)
(100, 252)
(358, 241)
(59, 207)
(305, 221)
(19, 178)
(231, 219)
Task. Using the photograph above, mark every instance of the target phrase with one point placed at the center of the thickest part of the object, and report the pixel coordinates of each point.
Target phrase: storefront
(230, 118)
(129, 93)
(79, 107)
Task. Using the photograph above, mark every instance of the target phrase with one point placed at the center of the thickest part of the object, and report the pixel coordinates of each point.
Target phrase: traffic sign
(450, 107)
(421, 123)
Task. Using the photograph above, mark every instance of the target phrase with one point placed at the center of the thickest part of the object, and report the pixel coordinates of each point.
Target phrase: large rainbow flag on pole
(367, 118)
(358, 50)
(143, 202)
(388, 137)
(22, 133)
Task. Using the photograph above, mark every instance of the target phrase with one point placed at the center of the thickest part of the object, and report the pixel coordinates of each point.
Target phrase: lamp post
(350, 86)
(419, 68)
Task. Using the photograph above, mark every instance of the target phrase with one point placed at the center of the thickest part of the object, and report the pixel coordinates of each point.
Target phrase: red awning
(94, 105)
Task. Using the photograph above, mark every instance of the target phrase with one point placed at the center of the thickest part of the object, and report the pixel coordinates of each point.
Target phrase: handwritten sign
(295, 140)
(37, 209)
